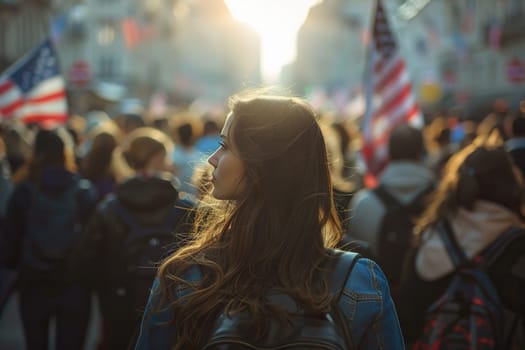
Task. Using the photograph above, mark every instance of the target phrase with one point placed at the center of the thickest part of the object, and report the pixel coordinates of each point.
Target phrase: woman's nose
(212, 160)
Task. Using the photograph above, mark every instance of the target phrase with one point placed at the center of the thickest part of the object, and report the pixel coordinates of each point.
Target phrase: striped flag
(33, 89)
(389, 98)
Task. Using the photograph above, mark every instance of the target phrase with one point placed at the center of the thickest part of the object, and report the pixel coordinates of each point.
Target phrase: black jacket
(98, 254)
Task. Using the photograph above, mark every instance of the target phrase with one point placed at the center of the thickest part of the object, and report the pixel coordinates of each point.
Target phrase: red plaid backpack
(469, 314)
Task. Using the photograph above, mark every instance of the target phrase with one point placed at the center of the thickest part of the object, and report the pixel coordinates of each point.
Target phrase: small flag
(134, 32)
(33, 89)
(389, 97)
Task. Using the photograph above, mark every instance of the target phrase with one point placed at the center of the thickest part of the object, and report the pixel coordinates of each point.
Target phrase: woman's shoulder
(366, 278)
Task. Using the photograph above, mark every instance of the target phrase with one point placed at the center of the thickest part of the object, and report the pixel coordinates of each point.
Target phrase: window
(106, 67)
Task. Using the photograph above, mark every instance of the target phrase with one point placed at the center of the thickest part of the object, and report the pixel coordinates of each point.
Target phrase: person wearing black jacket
(48, 206)
(130, 232)
(479, 199)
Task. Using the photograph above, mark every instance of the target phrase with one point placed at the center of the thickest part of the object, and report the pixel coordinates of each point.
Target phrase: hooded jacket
(404, 180)
(429, 269)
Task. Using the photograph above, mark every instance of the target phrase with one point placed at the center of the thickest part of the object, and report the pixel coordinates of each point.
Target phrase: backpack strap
(344, 264)
(489, 255)
(138, 230)
(386, 197)
(457, 256)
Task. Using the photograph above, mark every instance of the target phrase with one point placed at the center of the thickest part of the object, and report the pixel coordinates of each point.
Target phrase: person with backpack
(259, 271)
(464, 282)
(45, 214)
(384, 217)
(131, 231)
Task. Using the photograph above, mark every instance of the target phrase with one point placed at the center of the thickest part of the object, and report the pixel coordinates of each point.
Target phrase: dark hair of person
(97, 162)
(272, 237)
(49, 149)
(477, 172)
(210, 127)
(185, 134)
(406, 143)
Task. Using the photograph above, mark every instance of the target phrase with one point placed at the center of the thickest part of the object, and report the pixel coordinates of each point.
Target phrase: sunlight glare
(277, 22)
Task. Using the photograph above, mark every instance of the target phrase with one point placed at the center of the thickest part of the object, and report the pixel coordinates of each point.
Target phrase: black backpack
(469, 315)
(396, 231)
(302, 330)
(53, 224)
(135, 266)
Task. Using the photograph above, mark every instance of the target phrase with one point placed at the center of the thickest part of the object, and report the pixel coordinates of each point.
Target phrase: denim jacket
(366, 304)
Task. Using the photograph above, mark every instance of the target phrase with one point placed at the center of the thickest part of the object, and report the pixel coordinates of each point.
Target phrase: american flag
(33, 89)
(389, 99)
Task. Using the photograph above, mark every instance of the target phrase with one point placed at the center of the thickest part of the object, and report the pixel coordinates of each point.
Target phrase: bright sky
(277, 22)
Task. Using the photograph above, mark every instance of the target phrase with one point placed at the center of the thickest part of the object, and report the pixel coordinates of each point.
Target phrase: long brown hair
(480, 171)
(96, 164)
(274, 236)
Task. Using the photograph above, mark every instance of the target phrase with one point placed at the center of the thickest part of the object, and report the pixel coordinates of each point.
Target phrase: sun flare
(277, 23)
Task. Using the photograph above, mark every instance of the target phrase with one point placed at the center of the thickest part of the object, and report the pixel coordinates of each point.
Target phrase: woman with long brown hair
(266, 232)
(476, 205)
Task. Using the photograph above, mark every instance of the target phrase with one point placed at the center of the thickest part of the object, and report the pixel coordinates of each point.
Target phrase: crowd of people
(254, 227)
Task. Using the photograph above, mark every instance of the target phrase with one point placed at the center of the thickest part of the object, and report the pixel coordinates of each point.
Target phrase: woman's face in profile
(228, 168)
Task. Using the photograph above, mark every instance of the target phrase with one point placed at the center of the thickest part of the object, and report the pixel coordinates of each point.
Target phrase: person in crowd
(491, 130)
(479, 199)
(516, 145)
(96, 164)
(17, 147)
(45, 214)
(185, 157)
(445, 150)
(336, 147)
(130, 230)
(89, 127)
(209, 141)
(266, 229)
(405, 179)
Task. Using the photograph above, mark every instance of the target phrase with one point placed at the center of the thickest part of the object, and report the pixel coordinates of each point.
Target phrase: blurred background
(462, 55)
(171, 63)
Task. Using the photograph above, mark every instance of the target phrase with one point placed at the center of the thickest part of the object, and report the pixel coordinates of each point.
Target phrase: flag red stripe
(414, 112)
(46, 98)
(12, 107)
(394, 101)
(5, 87)
(37, 118)
(391, 76)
